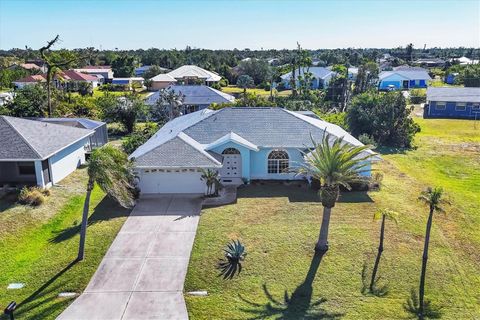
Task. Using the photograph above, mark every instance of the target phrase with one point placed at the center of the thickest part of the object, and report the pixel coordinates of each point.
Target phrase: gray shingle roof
(176, 153)
(24, 139)
(318, 72)
(453, 94)
(195, 95)
(79, 122)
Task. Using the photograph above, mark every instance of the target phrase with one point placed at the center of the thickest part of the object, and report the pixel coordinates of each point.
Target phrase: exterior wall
(157, 85)
(9, 174)
(68, 160)
(397, 81)
(472, 111)
(244, 152)
(258, 164)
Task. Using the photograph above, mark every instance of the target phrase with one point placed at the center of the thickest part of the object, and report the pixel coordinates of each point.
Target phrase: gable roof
(407, 74)
(178, 152)
(191, 71)
(79, 122)
(318, 72)
(33, 78)
(453, 94)
(24, 139)
(196, 95)
(232, 137)
(163, 77)
(65, 75)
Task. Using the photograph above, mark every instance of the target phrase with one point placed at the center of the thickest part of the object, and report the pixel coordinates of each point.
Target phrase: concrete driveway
(142, 274)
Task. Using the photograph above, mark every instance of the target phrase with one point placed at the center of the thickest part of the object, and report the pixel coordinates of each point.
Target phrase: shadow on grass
(412, 305)
(8, 201)
(35, 300)
(295, 192)
(378, 289)
(107, 209)
(392, 150)
(298, 305)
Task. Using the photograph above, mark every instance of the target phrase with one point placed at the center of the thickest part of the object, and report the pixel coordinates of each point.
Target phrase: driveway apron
(143, 271)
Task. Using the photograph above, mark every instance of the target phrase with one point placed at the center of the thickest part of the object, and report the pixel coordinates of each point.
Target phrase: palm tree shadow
(298, 305)
(107, 209)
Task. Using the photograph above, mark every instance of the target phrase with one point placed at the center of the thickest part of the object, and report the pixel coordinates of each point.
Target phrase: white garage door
(154, 181)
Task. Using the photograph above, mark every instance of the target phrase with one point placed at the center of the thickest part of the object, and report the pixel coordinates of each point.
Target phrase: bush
(418, 96)
(216, 86)
(367, 140)
(223, 82)
(33, 196)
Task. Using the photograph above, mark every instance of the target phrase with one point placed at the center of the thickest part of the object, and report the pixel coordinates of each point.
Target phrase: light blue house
(39, 153)
(453, 102)
(321, 77)
(403, 79)
(243, 144)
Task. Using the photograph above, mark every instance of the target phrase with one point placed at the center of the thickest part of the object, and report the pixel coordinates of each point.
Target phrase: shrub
(223, 82)
(418, 96)
(33, 196)
(367, 140)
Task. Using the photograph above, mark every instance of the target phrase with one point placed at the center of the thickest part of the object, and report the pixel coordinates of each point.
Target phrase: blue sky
(128, 24)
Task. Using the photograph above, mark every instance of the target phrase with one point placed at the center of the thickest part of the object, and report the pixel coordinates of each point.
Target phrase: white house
(243, 144)
(105, 72)
(38, 153)
(321, 77)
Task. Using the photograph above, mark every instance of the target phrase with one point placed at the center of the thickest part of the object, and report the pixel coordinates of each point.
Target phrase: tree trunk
(424, 265)
(379, 254)
(322, 244)
(49, 90)
(83, 229)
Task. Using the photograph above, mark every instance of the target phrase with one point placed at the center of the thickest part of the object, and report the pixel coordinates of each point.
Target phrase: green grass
(38, 246)
(260, 92)
(279, 226)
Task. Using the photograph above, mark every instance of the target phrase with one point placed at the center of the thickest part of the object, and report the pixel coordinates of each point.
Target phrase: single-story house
(96, 140)
(403, 79)
(195, 97)
(68, 79)
(430, 62)
(140, 71)
(128, 81)
(190, 74)
(161, 81)
(37, 153)
(464, 60)
(453, 102)
(321, 77)
(242, 143)
(28, 66)
(105, 72)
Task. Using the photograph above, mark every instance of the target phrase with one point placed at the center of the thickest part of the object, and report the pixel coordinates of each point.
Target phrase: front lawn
(279, 226)
(234, 90)
(38, 246)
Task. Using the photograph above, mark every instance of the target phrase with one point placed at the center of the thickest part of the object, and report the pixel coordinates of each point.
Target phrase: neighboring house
(352, 73)
(321, 77)
(105, 72)
(161, 81)
(68, 79)
(242, 143)
(403, 79)
(96, 140)
(29, 66)
(37, 153)
(464, 60)
(6, 97)
(127, 82)
(453, 102)
(430, 62)
(140, 71)
(190, 74)
(195, 97)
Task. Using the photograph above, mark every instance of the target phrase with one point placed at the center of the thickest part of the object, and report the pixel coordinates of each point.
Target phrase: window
(440, 106)
(231, 151)
(461, 107)
(277, 162)
(26, 168)
(476, 106)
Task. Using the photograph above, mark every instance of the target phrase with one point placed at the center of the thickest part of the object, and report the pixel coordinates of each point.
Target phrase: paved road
(142, 274)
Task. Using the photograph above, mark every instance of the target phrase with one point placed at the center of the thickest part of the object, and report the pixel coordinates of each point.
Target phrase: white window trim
(278, 171)
(440, 105)
(461, 106)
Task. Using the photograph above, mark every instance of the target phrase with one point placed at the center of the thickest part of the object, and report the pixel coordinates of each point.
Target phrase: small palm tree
(334, 163)
(211, 178)
(109, 168)
(383, 214)
(234, 255)
(244, 82)
(433, 198)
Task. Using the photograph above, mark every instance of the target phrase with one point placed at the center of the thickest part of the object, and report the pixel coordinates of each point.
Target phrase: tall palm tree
(334, 163)
(383, 214)
(109, 168)
(433, 198)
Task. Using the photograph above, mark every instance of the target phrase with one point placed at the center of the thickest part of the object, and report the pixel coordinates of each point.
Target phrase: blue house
(321, 77)
(403, 79)
(453, 102)
(242, 144)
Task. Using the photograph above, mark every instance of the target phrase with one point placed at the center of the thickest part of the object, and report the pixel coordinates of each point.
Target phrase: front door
(232, 164)
(405, 84)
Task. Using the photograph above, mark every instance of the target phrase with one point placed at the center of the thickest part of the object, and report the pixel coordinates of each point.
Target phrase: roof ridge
(21, 135)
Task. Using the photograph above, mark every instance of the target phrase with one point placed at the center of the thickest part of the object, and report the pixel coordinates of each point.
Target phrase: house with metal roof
(453, 102)
(321, 77)
(195, 97)
(403, 79)
(242, 144)
(190, 74)
(39, 153)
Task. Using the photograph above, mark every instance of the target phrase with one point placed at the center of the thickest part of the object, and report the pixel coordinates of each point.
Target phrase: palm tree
(383, 214)
(244, 82)
(433, 198)
(211, 180)
(109, 168)
(333, 163)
